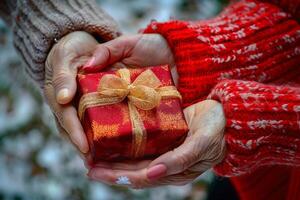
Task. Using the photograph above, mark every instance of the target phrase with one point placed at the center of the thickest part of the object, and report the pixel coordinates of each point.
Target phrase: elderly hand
(71, 52)
(140, 50)
(203, 148)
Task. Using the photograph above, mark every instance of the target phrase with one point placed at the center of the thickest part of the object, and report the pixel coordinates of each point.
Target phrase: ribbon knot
(141, 92)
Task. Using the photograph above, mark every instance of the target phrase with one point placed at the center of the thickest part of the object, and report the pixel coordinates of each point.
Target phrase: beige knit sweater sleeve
(37, 24)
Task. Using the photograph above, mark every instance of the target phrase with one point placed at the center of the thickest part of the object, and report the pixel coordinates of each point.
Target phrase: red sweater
(248, 59)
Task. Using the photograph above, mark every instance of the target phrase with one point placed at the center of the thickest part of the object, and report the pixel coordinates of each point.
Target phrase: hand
(71, 52)
(203, 148)
(132, 51)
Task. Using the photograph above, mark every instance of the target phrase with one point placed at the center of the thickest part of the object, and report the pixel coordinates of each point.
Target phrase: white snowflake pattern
(246, 49)
(284, 107)
(224, 60)
(250, 4)
(236, 124)
(240, 34)
(246, 96)
(296, 108)
(254, 27)
(215, 30)
(262, 77)
(217, 38)
(281, 14)
(263, 124)
(203, 39)
(218, 47)
(288, 39)
(297, 50)
(231, 27)
(255, 56)
(251, 47)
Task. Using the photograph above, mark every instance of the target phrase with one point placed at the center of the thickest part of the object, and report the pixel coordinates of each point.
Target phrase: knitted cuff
(37, 24)
(249, 40)
(262, 125)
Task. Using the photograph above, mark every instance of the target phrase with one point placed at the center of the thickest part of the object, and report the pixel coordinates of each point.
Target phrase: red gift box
(130, 113)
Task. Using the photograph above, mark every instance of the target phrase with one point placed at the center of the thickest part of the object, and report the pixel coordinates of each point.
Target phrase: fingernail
(62, 94)
(90, 62)
(156, 171)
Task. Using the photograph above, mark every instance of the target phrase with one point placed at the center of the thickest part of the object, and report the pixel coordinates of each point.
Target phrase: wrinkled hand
(140, 50)
(203, 148)
(71, 52)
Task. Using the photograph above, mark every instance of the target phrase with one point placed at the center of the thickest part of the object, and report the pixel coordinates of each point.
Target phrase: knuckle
(60, 47)
(183, 161)
(55, 51)
(63, 50)
(217, 152)
(102, 49)
(60, 78)
(48, 76)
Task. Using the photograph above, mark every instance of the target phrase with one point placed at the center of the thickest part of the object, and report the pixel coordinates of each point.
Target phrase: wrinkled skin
(62, 64)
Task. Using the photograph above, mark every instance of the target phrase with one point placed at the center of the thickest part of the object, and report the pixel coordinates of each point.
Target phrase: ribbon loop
(147, 78)
(143, 97)
(112, 85)
(141, 92)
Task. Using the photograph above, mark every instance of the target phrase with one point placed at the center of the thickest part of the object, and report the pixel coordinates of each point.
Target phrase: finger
(134, 179)
(64, 82)
(175, 161)
(104, 55)
(137, 179)
(180, 179)
(202, 166)
(128, 165)
(72, 125)
(68, 119)
(86, 157)
(111, 52)
(66, 136)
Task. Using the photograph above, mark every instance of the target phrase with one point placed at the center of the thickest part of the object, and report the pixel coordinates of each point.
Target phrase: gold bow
(145, 93)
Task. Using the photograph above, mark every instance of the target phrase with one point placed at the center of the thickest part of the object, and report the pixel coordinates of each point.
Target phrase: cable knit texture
(36, 25)
(248, 59)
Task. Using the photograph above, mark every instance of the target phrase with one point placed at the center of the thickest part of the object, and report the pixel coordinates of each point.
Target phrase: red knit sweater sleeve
(262, 125)
(243, 58)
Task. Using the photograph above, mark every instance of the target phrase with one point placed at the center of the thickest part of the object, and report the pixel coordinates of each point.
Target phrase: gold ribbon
(145, 93)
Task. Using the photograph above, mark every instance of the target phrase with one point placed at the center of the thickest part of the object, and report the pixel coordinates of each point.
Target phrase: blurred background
(35, 163)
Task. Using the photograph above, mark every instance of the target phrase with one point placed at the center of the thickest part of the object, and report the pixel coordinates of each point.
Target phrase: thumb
(176, 161)
(173, 162)
(64, 83)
